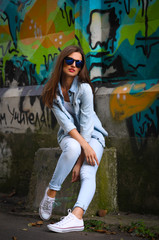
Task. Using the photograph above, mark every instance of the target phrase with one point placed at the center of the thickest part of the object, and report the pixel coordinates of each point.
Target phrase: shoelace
(48, 205)
(69, 211)
(65, 219)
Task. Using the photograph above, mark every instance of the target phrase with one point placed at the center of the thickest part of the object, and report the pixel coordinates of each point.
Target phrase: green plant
(92, 225)
(141, 230)
(98, 226)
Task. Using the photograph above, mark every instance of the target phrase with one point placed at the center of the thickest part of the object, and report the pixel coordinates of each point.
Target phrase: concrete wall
(138, 161)
(120, 41)
(25, 126)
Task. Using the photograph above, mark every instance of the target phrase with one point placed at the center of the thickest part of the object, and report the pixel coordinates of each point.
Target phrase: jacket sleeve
(86, 112)
(64, 119)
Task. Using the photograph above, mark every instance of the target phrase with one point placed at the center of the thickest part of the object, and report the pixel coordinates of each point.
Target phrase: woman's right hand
(90, 155)
(76, 173)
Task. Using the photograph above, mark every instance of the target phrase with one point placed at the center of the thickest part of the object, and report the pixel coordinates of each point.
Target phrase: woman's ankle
(78, 212)
(51, 193)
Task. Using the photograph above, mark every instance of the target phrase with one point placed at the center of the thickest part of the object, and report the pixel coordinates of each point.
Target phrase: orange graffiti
(4, 30)
(77, 15)
(38, 27)
(36, 22)
(54, 39)
(123, 104)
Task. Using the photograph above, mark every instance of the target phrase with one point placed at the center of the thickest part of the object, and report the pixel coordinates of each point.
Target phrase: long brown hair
(50, 88)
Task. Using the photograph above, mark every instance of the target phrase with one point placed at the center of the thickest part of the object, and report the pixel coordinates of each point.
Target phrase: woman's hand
(76, 173)
(90, 155)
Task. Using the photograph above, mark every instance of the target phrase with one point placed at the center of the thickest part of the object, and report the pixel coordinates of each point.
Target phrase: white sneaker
(46, 206)
(70, 223)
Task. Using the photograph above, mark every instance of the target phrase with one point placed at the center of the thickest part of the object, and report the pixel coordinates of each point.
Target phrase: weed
(139, 229)
(98, 226)
(91, 225)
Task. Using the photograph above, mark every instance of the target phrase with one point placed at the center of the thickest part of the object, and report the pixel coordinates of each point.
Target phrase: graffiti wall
(119, 37)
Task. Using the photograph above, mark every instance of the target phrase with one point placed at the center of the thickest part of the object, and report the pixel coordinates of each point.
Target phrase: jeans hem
(55, 188)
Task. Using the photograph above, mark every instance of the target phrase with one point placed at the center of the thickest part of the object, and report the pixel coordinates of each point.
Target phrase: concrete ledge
(106, 191)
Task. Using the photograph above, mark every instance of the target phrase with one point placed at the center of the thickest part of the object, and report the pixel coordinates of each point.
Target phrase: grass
(97, 226)
(141, 230)
(138, 229)
(93, 225)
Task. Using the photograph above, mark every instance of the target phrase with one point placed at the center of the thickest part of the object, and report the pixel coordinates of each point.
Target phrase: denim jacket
(84, 119)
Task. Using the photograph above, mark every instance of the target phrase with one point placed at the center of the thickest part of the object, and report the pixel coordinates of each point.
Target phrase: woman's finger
(92, 160)
(76, 178)
(73, 176)
(96, 159)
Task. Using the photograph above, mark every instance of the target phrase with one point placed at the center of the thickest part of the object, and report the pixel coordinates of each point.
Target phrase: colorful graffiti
(120, 40)
(30, 40)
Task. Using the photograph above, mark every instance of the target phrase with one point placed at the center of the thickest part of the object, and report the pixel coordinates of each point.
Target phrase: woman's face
(71, 70)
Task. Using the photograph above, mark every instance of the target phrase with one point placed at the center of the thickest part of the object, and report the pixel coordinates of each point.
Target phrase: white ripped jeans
(71, 150)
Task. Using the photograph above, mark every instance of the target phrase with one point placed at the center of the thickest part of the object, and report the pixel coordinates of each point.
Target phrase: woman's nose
(74, 64)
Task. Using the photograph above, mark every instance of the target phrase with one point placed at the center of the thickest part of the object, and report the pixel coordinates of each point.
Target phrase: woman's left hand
(76, 173)
(90, 155)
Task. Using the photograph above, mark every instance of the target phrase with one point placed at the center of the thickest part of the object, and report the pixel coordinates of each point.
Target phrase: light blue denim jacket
(84, 119)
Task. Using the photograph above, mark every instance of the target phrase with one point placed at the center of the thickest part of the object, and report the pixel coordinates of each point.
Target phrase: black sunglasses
(70, 61)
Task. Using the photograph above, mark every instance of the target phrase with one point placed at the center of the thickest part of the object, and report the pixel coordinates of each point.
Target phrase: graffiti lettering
(3, 118)
(27, 118)
(4, 52)
(69, 17)
(49, 59)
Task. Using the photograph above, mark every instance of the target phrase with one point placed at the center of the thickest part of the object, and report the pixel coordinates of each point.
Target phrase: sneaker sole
(65, 230)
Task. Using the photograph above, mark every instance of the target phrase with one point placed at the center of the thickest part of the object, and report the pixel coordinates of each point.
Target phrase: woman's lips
(71, 70)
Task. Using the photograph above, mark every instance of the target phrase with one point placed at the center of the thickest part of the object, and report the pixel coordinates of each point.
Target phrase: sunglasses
(70, 61)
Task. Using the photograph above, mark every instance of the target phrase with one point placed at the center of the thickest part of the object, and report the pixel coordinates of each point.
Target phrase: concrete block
(106, 191)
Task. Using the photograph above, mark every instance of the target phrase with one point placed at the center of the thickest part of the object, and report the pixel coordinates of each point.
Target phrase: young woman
(69, 93)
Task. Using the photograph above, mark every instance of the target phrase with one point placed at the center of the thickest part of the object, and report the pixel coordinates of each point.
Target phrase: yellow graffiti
(123, 104)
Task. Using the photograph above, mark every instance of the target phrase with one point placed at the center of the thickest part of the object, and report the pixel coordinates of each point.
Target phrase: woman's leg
(88, 181)
(71, 150)
(74, 221)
